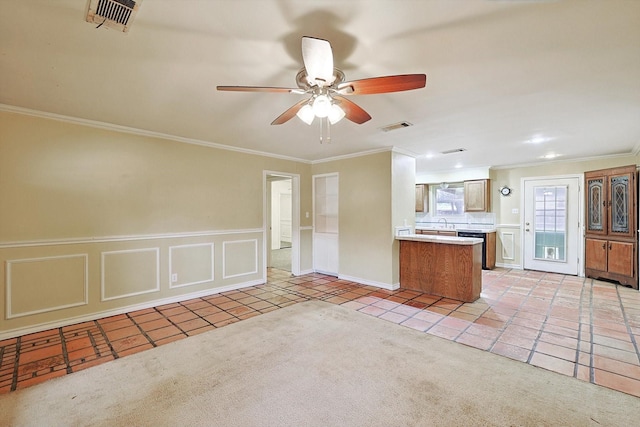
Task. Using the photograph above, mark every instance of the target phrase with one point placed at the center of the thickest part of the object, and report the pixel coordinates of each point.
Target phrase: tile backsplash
(467, 219)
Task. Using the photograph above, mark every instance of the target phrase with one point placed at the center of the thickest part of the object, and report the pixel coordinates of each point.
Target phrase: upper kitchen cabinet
(477, 195)
(611, 223)
(422, 198)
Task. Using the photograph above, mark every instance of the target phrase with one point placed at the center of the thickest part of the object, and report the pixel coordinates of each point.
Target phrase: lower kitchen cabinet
(610, 259)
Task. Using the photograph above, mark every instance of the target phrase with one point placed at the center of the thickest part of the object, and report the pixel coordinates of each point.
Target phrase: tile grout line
(592, 369)
(65, 355)
(114, 353)
(142, 331)
(16, 364)
(626, 323)
(542, 327)
(581, 308)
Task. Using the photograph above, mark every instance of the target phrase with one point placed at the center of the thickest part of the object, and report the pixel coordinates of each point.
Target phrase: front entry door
(551, 226)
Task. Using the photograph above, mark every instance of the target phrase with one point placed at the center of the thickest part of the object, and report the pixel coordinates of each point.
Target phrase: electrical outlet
(174, 277)
(515, 211)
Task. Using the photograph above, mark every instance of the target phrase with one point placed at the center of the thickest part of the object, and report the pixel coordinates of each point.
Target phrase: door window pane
(550, 224)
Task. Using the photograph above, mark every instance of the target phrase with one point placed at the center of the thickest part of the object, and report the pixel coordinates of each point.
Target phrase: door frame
(295, 219)
(580, 215)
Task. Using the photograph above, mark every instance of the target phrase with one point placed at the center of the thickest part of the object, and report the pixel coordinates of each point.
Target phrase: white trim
(295, 219)
(579, 177)
(224, 256)
(512, 248)
(149, 291)
(353, 155)
(12, 333)
(9, 312)
(140, 132)
(390, 287)
(171, 285)
(124, 238)
(504, 265)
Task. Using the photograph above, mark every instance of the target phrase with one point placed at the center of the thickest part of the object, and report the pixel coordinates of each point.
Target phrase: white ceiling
(499, 73)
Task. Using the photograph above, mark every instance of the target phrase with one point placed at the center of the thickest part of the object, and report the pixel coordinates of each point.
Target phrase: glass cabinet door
(620, 205)
(596, 205)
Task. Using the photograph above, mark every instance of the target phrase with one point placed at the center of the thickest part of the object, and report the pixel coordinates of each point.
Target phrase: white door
(552, 224)
(325, 224)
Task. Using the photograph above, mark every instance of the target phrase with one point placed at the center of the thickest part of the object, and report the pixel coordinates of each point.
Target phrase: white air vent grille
(455, 150)
(116, 14)
(396, 126)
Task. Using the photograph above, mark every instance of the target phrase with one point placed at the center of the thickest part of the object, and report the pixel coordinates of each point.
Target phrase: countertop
(449, 240)
(464, 228)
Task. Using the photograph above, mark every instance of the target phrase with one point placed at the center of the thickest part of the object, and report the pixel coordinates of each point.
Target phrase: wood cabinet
(448, 270)
(490, 250)
(477, 195)
(611, 225)
(422, 198)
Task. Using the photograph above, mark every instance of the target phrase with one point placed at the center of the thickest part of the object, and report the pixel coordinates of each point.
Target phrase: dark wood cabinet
(611, 225)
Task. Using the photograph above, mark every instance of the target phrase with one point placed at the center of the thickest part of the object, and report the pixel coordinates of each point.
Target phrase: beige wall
(94, 220)
(371, 203)
(508, 223)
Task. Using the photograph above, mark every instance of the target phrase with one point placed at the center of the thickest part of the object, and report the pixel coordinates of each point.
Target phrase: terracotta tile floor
(578, 327)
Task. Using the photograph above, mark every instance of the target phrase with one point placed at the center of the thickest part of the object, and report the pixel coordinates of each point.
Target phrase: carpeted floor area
(281, 258)
(316, 364)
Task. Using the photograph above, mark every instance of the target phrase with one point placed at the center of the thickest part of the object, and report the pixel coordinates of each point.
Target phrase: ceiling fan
(328, 88)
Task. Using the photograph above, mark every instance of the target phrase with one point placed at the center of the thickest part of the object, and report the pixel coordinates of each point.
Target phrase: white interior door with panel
(325, 224)
(551, 228)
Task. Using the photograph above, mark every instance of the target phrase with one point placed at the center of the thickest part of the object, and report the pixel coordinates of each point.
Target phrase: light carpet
(316, 364)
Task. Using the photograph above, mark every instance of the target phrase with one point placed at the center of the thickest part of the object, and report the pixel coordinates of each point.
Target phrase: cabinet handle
(604, 246)
(609, 246)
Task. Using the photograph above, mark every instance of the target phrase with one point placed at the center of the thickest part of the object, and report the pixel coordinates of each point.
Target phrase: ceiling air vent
(116, 14)
(455, 150)
(396, 126)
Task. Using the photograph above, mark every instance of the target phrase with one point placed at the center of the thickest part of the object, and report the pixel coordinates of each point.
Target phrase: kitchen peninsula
(441, 265)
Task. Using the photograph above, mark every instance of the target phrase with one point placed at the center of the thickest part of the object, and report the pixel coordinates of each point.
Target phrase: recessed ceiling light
(550, 156)
(458, 166)
(538, 139)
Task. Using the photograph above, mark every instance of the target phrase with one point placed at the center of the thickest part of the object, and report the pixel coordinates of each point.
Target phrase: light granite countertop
(449, 240)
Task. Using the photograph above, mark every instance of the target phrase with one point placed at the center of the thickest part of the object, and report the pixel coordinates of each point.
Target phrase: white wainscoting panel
(190, 264)
(129, 272)
(508, 245)
(239, 258)
(39, 285)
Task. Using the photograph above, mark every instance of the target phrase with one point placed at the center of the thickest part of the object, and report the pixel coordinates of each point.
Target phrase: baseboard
(12, 333)
(504, 265)
(390, 287)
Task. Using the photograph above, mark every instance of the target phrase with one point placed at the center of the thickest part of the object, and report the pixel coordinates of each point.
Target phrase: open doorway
(281, 223)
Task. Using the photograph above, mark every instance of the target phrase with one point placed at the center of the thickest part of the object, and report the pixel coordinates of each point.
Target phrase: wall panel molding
(126, 238)
(238, 251)
(200, 258)
(61, 281)
(131, 272)
(508, 245)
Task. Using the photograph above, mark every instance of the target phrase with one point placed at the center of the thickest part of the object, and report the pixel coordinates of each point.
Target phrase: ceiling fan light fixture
(336, 114)
(306, 114)
(321, 106)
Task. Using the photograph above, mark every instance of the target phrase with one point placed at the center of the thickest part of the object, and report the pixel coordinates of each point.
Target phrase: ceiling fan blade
(352, 111)
(288, 115)
(259, 89)
(318, 61)
(385, 84)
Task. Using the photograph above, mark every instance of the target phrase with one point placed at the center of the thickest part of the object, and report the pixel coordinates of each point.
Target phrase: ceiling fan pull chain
(328, 130)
